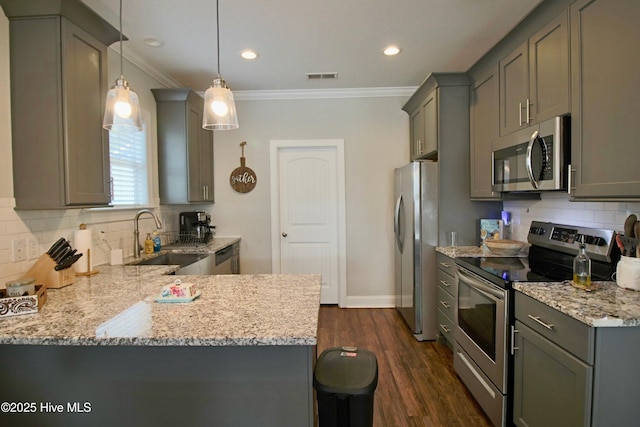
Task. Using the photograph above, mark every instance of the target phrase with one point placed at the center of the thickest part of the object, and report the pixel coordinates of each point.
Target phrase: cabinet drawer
(448, 283)
(446, 302)
(445, 326)
(446, 264)
(568, 333)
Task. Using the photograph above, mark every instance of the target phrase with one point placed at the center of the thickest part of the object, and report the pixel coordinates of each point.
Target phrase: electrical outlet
(19, 250)
(33, 248)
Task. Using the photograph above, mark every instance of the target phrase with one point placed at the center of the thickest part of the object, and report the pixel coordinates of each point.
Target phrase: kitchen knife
(57, 245)
(61, 254)
(56, 254)
(67, 255)
(68, 262)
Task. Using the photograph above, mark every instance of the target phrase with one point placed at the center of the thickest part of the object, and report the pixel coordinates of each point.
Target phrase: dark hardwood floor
(417, 385)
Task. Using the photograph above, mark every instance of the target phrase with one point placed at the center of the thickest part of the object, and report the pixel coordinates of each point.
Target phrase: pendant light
(219, 106)
(122, 112)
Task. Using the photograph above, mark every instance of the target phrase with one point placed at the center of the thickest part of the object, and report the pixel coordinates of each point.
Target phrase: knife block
(44, 273)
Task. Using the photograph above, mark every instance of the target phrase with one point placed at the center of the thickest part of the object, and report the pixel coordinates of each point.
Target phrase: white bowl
(505, 247)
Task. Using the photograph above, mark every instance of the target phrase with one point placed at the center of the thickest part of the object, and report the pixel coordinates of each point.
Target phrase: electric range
(482, 351)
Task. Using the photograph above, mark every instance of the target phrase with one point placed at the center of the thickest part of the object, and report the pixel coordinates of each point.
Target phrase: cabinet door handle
(514, 331)
(445, 283)
(111, 185)
(528, 112)
(571, 171)
(444, 328)
(537, 319)
(445, 265)
(520, 113)
(445, 304)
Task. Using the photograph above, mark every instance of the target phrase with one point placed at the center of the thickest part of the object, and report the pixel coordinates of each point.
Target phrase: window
(128, 154)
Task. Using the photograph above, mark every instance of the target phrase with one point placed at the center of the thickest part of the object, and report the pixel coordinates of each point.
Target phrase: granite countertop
(469, 251)
(606, 305)
(117, 307)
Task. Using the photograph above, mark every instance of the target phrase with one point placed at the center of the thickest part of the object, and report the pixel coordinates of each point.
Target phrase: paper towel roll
(82, 242)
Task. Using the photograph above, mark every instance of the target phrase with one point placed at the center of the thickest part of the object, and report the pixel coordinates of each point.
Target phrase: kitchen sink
(172, 259)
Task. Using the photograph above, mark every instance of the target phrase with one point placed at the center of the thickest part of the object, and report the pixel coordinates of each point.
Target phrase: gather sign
(243, 179)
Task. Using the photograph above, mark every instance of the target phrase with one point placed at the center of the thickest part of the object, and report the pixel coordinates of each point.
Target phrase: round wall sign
(243, 179)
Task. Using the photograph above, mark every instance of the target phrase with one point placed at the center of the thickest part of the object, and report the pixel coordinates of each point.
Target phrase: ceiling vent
(322, 76)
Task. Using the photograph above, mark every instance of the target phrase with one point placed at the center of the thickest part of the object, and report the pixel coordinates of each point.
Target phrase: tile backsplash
(42, 228)
(556, 207)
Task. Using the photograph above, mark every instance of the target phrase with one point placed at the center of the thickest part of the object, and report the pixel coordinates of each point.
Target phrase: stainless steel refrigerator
(416, 236)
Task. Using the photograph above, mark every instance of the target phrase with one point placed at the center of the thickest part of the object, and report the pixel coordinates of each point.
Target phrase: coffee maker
(195, 227)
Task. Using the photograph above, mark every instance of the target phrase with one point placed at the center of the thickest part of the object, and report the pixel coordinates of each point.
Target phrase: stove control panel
(566, 238)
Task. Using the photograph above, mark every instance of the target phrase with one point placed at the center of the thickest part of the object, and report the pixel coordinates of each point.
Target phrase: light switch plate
(18, 250)
(33, 248)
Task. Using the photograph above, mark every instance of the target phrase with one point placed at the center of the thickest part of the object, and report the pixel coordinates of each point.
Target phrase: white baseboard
(377, 301)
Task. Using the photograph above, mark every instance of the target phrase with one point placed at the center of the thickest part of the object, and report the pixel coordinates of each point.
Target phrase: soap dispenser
(148, 244)
(582, 267)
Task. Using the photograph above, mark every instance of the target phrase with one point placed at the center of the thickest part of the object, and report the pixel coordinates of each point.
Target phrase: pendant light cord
(121, 66)
(217, 35)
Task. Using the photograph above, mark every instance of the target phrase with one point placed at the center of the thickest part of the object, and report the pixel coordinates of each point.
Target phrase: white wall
(375, 131)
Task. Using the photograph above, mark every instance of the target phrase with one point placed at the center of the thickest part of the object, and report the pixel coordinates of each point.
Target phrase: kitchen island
(103, 352)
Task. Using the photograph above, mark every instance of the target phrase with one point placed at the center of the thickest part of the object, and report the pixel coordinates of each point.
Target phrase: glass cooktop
(504, 270)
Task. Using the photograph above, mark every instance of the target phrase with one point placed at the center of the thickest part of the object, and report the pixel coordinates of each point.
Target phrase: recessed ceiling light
(248, 54)
(391, 50)
(152, 41)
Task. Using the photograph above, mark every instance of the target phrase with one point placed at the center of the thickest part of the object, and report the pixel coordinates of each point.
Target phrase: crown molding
(376, 92)
(145, 66)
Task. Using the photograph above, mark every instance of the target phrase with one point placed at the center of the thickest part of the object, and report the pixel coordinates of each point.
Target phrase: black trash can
(345, 379)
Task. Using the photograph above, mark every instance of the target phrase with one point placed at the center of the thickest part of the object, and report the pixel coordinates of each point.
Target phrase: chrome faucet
(136, 232)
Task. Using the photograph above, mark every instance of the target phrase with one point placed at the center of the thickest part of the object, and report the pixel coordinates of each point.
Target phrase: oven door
(482, 325)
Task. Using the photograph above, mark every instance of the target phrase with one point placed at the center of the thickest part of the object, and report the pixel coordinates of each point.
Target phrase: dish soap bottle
(582, 267)
(148, 244)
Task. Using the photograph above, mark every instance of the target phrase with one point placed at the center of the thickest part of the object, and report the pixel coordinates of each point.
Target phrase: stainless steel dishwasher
(228, 260)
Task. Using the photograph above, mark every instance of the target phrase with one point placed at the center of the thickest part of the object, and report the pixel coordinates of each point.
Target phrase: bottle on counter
(156, 242)
(148, 244)
(582, 267)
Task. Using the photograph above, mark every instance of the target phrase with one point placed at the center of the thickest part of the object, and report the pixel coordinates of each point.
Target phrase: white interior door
(308, 211)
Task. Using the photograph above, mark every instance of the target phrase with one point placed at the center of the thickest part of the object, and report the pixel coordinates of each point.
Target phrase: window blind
(128, 156)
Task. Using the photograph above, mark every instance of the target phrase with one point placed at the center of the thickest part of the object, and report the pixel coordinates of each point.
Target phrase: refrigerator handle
(397, 227)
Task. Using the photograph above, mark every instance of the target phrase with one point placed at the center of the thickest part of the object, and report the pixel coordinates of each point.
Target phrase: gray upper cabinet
(514, 90)
(433, 108)
(484, 130)
(605, 102)
(534, 78)
(58, 64)
(424, 129)
(185, 149)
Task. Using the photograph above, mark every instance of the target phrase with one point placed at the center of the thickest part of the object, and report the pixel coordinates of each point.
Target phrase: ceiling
(296, 37)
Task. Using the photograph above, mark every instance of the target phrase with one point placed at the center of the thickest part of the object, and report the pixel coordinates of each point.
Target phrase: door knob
(284, 234)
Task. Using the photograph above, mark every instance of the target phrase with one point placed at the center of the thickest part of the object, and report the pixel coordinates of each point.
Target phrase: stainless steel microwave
(533, 159)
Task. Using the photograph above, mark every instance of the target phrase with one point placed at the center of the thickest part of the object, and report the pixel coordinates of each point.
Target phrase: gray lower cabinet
(605, 103)
(447, 298)
(484, 130)
(185, 149)
(534, 78)
(58, 63)
(552, 387)
(569, 374)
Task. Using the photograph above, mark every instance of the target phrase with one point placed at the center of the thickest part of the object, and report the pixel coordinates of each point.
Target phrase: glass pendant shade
(122, 112)
(219, 107)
